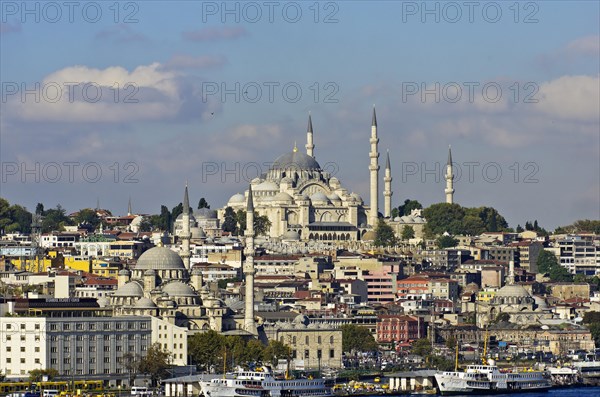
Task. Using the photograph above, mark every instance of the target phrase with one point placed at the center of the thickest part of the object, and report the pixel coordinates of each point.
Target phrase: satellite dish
(578, 320)
(545, 327)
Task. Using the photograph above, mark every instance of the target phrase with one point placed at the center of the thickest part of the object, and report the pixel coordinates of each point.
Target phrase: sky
(105, 101)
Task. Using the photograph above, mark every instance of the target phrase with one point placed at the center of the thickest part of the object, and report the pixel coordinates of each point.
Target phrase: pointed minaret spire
(449, 179)
(249, 324)
(129, 212)
(310, 146)
(97, 203)
(374, 173)
(374, 119)
(387, 188)
(186, 234)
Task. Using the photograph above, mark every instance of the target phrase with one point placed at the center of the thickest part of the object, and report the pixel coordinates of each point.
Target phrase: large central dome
(159, 258)
(295, 160)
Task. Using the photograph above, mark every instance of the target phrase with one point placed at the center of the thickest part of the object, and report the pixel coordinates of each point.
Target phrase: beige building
(570, 290)
(312, 345)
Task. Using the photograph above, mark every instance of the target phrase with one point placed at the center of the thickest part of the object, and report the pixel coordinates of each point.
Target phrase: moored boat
(263, 384)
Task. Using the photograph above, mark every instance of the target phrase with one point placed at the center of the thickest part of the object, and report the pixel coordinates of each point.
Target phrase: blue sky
(534, 149)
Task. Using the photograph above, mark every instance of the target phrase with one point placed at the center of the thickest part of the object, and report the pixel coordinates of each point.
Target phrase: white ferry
(263, 384)
(488, 379)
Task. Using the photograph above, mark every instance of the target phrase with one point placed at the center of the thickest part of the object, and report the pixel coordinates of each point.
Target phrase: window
(92, 348)
(306, 340)
(79, 337)
(92, 337)
(8, 360)
(331, 353)
(319, 340)
(306, 353)
(331, 339)
(66, 326)
(8, 337)
(7, 348)
(22, 326)
(106, 337)
(53, 361)
(22, 338)
(37, 326)
(145, 326)
(8, 326)
(107, 348)
(23, 349)
(53, 349)
(92, 360)
(79, 326)
(107, 360)
(37, 360)
(52, 327)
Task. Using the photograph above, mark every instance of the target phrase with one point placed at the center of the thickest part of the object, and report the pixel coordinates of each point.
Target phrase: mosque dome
(291, 235)
(295, 160)
(266, 186)
(282, 196)
(207, 213)
(357, 197)
(319, 197)
(124, 272)
(237, 198)
(180, 217)
(145, 303)
(512, 291)
(159, 258)
(177, 288)
(132, 288)
(369, 236)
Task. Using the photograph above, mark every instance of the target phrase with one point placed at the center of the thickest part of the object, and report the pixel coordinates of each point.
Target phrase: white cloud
(575, 98)
(110, 95)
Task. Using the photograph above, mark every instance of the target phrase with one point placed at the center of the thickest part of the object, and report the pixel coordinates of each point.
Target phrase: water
(565, 392)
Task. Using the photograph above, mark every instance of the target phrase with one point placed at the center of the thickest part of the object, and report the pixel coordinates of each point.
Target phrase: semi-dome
(237, 198)
(319, 197)
(334, 197)
(295, 160)
(266, 186)
(124, 272)
(132, 288)
(207, 213)
(369, 236)
(283, 196)
(291, 235)
(159, 258)
(512, 291)
(177, 288)
(103, 302)
(145, 303)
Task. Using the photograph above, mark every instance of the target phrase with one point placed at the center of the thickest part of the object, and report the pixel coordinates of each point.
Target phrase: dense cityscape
(299, 199)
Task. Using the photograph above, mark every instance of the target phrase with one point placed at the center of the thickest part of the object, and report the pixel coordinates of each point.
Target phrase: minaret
(185, 232)
(449, 179)
(129, 207)
(387, 189)
(249, 324)
(510, 279)
(310, 146)
(374, 171)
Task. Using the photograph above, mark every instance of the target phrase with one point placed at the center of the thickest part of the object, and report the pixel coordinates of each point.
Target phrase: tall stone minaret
(129, 207)
(374, 171)
(449, 179)
(387, 188)
(310, 146)
(249, 324)
(185, 232)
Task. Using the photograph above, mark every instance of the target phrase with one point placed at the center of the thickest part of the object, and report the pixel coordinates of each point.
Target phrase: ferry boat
(488, 379)
(263, 384)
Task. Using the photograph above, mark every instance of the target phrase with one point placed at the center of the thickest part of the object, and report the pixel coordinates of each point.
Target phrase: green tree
(39, 209)
(546, 260)
(205, 349)
(36, 375)
(165, 219)
(451, 342)
(408, 232)
(131, 363)
(421, 347)
(146, 224)
(230, 221)
(446, 242)
(408, 206)
(87, 216)
(356, 338)
(203, 203)
(275, 351)
(155, 363)
(384, 234)
(262, 224)
(55, 219)
(175, 212)
(591, 317)
(443, 217)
